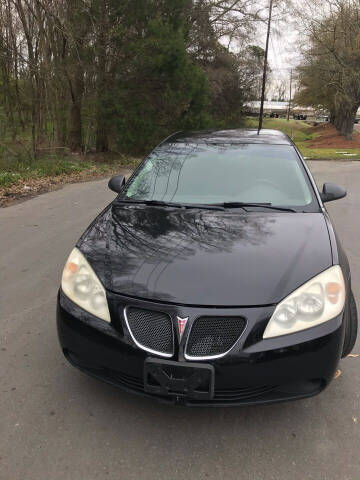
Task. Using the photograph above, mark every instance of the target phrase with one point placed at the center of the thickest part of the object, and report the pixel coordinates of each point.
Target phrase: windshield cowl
(220, 206)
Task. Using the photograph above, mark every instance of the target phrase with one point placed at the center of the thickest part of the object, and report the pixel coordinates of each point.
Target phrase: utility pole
(265, 67)
(290, 100)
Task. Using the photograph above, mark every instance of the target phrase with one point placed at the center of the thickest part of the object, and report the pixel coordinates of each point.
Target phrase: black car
(214, 278)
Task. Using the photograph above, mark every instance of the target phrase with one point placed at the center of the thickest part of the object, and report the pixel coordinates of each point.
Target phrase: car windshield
(215, 174)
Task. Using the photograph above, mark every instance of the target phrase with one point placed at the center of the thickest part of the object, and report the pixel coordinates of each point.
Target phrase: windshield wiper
(261, 205)
(160, 203)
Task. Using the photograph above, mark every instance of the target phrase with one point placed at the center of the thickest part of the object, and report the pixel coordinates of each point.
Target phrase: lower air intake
(151, 330)
(213, 336)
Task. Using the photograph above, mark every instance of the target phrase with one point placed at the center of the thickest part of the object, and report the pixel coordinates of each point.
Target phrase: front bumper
(255, 371)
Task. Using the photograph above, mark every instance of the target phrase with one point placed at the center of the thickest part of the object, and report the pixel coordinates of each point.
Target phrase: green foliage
(329, 75)
(20, 167)
(165, 90)
(302, 134)
(108, 75)
(297, 130)
(12, 168)
(256, 52)
(7, 179)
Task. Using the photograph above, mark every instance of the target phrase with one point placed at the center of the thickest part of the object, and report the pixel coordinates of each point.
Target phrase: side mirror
(116, 183)
(332, 192)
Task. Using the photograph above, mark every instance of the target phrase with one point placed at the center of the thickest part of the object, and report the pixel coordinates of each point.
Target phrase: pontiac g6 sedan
(215, 277)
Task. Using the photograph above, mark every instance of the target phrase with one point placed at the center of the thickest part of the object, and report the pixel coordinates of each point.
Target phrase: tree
(279, 91)
(254, 57)
(330, 72)
(152, 87)
(105, 74)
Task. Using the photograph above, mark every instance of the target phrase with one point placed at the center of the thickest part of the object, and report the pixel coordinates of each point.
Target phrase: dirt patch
(32, 187)
(328, 137)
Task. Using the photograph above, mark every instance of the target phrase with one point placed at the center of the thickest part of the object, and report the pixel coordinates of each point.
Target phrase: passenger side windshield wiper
(262, 205)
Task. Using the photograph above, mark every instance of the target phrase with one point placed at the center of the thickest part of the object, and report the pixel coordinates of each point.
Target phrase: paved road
(57, 424)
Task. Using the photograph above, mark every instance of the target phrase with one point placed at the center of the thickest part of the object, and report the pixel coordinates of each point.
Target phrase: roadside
(315, 142)
(22, 178)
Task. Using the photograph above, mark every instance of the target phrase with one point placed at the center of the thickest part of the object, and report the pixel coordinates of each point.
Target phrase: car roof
(237, 136)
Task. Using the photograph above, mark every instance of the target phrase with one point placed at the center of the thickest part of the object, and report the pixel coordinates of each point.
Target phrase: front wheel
(351, 328)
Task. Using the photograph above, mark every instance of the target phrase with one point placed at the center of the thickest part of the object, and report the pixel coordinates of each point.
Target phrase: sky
(283, 50)
(283, 57)
(285, 40)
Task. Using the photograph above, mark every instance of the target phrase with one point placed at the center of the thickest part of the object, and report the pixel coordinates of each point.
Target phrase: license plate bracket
(179, 379)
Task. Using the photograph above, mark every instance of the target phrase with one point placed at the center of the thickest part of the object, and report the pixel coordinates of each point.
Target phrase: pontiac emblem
(181, 325)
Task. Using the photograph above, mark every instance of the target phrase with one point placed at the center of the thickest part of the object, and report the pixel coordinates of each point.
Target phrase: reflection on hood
(202, 257)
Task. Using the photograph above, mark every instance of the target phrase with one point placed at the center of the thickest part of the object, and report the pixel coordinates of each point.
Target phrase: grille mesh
(153, 330)
(212, 336)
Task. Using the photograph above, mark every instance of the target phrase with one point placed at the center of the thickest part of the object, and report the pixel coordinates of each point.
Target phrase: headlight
(80, 283)
(318, 301)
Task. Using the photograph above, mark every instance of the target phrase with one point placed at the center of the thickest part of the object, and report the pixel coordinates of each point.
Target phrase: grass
(12, 171)
(21, 177)
(329, 153)
(302, 134)
(19, 167)
(297, 130)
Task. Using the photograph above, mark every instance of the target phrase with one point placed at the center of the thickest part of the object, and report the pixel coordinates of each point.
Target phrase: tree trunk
(345, 118)
(102, 141)
(75, 121)
(332, 117)
(348, 121)
(338, 120)
(32, 46)
(60, 108)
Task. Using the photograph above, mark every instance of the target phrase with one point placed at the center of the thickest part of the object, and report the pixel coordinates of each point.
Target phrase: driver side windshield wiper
(160, 203)
(262, 205)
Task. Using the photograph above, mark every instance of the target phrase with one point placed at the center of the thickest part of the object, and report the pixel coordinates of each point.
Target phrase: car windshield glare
(198, 173)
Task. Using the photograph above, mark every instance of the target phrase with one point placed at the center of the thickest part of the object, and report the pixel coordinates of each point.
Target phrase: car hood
(203, 257)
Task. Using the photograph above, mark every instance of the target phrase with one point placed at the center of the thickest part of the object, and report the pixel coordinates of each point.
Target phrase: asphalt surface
(56, 423)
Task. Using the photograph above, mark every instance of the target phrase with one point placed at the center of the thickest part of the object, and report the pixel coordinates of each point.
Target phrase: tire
(351, 328)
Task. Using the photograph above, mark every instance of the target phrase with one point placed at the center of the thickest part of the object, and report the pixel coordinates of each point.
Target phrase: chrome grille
(151, 330)
(212, 337)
